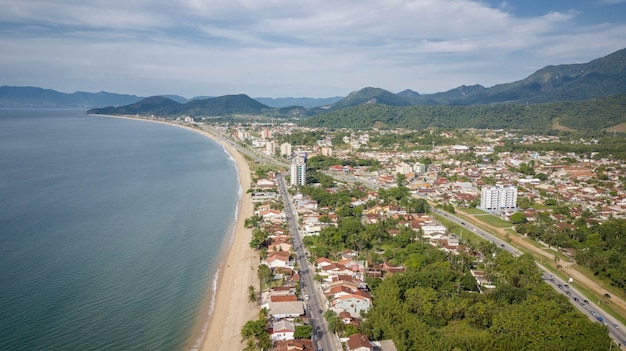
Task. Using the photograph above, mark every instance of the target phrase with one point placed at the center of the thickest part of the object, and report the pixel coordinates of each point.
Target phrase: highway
(315, 305)
(590, 309)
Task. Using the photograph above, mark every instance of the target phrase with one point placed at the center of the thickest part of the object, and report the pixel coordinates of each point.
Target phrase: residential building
(498, 198)
(298, 170)
(285, 149)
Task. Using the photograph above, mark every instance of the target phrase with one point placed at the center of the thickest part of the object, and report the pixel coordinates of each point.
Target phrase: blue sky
(283, 48)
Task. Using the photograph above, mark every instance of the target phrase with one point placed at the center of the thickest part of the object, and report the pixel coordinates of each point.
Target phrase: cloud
(280, 48)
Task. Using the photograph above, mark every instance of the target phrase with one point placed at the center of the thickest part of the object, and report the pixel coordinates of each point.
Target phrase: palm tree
(252, 297)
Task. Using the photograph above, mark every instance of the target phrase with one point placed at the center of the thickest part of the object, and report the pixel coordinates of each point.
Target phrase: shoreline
(225, 308)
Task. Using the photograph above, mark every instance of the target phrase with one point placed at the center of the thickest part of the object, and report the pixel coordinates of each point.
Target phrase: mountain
(371, 96)
(163, 106)
(303, 101)
(408, 93)
(569, 82)
(11, 96)
(593, 114)
(154, 105)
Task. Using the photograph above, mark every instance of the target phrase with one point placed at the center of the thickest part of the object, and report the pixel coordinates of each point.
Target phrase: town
(355, 210)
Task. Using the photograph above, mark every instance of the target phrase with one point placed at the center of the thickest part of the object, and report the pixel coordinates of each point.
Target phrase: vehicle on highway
(583, 305)
(586, 301)
(607, 295)
(616, 326)
(592, 312)
(560, 286)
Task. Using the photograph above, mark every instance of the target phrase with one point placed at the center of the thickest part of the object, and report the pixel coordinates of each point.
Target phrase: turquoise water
(110, 230)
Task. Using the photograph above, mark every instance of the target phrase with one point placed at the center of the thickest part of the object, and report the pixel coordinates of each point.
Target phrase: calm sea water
(110, 230)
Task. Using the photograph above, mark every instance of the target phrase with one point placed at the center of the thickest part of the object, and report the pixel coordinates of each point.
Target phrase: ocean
(111, 231)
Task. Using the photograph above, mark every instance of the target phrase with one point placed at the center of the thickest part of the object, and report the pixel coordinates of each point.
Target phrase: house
(352, 303)
(323, 262)
(359, 342)
(283, 330)
(294, 345)
(286, 309)
(277, 259)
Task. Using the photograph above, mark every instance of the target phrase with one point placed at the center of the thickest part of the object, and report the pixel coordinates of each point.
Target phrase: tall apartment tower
(298, 169)
(498, 198)
(285, 149)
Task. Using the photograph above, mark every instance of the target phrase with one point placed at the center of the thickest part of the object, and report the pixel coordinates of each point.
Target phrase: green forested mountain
(598, 78)
(580, 115)
(218, 106)
(371, 96)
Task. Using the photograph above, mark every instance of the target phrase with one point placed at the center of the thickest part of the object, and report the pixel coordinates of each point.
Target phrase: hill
(302, 101)
(217, 106)
(11, 96)
(579, 115)
(371, 96)
(568, 82)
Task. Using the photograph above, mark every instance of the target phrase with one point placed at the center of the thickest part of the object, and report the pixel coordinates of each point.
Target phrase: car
(583, 305)
(592, 312)
(576, 299)
(607, 295)
(560, 286)
(569, 293)
(306, 297)
(616, 326)
(586, 301)
(319, 311)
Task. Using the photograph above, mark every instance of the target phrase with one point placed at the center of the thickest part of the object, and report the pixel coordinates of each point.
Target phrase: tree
(251, 294)
(256, 335)
(518, 218)
(264, 274)
(303, 332)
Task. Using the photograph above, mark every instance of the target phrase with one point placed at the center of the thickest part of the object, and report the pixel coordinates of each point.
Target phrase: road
(255, 155)
(590, 309)
(316, 302)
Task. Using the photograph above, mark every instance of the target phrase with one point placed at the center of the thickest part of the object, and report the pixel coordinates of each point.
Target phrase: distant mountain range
(596, 79)
(48, 98)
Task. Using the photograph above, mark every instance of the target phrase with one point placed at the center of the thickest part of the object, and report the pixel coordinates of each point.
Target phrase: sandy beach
(231, 310)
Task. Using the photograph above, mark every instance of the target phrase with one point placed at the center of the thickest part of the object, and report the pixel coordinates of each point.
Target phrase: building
(327, 151)
(498, 198)
(285, 149)
(404, 168)
(270, 147)
(298, 169)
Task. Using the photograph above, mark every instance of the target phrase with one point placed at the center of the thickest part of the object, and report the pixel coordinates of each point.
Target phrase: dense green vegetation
(598, 246)
(436, 304)
(605, 147)
(430, 309)
(591, 115)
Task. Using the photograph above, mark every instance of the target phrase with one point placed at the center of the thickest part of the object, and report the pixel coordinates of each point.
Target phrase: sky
(303, 48)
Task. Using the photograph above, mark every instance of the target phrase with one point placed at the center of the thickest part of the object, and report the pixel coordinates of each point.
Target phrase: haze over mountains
(596, 79)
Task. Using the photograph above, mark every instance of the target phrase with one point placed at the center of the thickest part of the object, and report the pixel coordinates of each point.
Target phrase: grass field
(493, 220)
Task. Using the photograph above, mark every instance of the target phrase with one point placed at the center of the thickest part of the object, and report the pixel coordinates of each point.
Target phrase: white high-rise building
(285, 149)
(498, 198)
(298, 169)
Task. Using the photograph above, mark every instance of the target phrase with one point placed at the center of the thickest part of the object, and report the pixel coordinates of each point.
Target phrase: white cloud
(274, 48)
